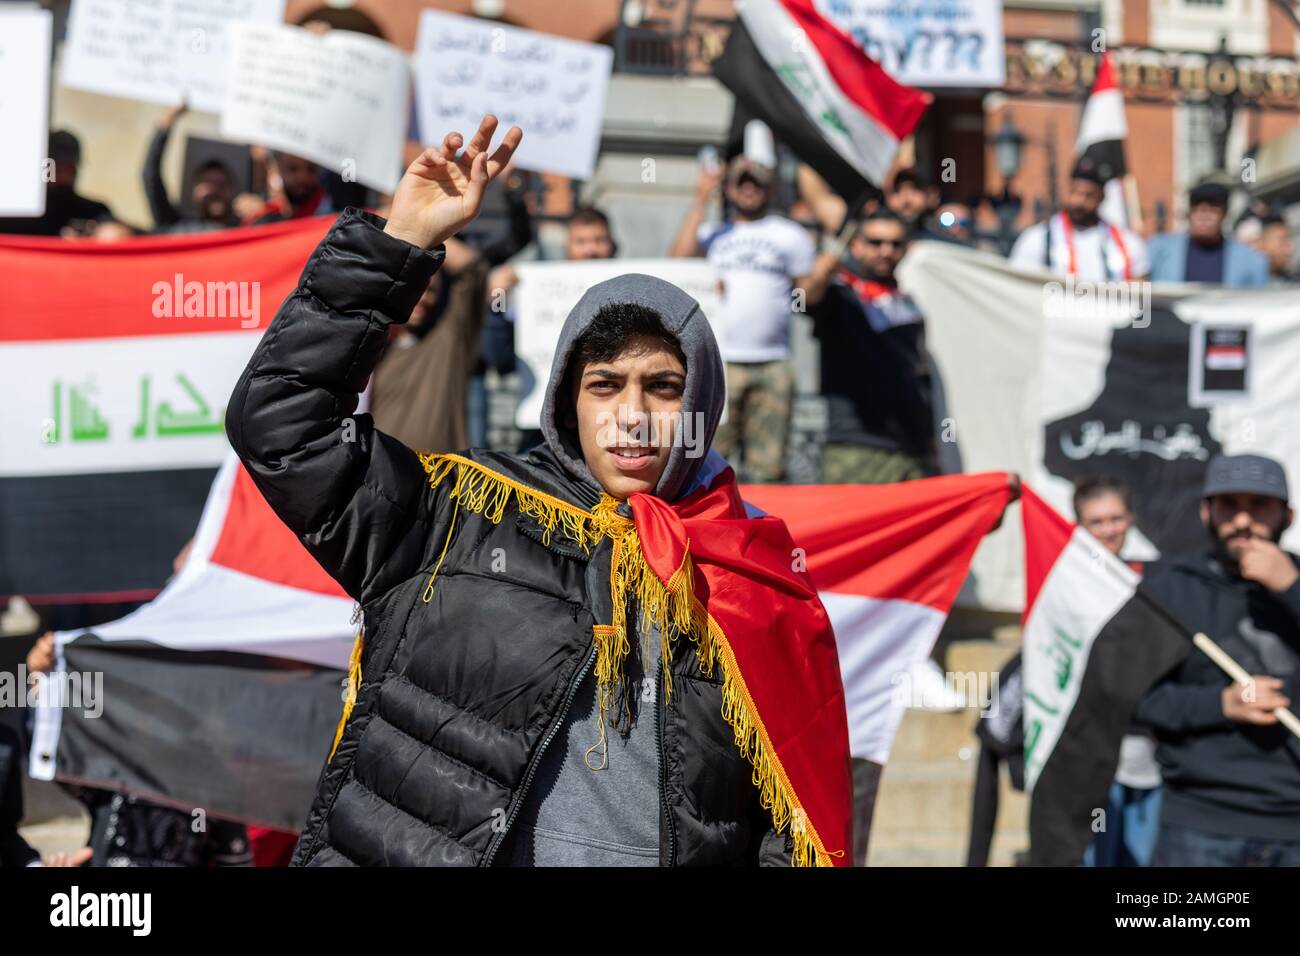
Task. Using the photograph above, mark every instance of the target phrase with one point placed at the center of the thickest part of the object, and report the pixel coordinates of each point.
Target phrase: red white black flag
(1102, 132)
(834, 106)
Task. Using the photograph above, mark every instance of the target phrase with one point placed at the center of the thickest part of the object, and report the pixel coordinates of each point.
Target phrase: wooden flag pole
(1238, 673)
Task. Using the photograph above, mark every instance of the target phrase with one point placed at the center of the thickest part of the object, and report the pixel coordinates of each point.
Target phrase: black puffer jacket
(459, 695)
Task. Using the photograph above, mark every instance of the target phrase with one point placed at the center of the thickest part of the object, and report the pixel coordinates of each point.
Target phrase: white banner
(1047, 378)
(160, 51)
(551, 88)
(929, 42)
(339, 98)
(24, 63)
(548, 291)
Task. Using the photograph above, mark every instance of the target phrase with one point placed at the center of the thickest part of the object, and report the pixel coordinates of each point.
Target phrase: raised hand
(441, 192)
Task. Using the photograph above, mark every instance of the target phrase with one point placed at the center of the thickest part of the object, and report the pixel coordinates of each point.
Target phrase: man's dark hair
(1096, 486)
(215, 165)
(589, 215)
(912, 175)
(883, 214)
(614, 326)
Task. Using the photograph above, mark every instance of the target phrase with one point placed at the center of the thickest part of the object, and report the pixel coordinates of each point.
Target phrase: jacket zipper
(537, 757)
(663, 772)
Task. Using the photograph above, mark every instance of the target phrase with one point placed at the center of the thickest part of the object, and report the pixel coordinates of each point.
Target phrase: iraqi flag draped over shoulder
(834, 106)
(887, 562)
(221, 693)
(1102, 132)
(1094, 643)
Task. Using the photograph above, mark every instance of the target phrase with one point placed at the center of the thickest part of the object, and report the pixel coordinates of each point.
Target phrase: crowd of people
(1192, 737)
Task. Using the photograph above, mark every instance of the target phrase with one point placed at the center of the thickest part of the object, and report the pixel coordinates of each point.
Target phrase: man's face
(1233, 519)
(588, 240)
(1205, 221)
(65, 174)
(301, 177)
(748, 194)
(878, 247)
(1277, 245)
(424, 306)
(1106, 518)
(628, 412)
(1082, 200)
(956, 220)
(212, 195)
(908, 201)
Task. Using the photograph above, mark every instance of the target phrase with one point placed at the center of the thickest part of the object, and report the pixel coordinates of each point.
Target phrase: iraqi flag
(1102, 132)
(834, 106)
(224, 691)
(887, 561)
(1094, 642)
(118, 359)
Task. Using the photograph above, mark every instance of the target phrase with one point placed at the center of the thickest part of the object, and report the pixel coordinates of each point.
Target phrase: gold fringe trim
(354, 681)
(672, 608)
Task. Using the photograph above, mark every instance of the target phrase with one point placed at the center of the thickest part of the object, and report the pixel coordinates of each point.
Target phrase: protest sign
(161, 51)
(547, 291)
(24, 53)
(340, 99)
(944, 43)
(551, 88)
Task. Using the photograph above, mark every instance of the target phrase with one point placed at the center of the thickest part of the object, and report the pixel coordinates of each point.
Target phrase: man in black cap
(65, 208)
(1231, 770)
(1202, 253)
(1077, 242)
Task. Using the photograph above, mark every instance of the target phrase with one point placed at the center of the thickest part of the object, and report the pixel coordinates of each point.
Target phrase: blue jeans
(1132, 823)
(1180, 846)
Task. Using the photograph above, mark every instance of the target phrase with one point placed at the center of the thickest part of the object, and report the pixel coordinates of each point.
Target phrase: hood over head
(705, 390)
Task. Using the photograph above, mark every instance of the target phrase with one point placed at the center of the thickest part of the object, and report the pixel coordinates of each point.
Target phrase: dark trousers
(1181, 846)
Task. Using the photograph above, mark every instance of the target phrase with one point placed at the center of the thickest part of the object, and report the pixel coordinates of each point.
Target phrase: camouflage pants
(760, 396)
(863, 465)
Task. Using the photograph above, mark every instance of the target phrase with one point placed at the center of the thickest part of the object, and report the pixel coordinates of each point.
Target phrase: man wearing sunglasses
(874, 370)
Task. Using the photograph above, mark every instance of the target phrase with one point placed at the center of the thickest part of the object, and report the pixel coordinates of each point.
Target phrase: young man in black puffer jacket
(586, 656)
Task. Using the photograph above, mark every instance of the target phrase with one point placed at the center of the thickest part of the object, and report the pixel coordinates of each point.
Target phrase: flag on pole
(834, 106)
(221, 693)
(887, 561)
(1094, 642)
(1102, 132)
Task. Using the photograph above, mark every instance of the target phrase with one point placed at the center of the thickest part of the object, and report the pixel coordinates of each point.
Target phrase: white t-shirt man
(1101, 253)
(757, 263)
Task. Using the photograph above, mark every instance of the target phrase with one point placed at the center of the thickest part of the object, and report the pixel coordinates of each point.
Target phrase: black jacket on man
(1221, 776)
(459, 694)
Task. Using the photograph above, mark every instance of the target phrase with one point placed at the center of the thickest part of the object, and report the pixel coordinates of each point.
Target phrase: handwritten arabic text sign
(547, 291)
(160, 51)
(24, 54)
(553, 89)
(340, 99)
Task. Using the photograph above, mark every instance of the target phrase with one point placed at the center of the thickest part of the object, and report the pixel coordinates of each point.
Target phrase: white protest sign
(24, 63)
(548, 291)
(160, 51)
(937, 43)
(551, 88)
(338, 98)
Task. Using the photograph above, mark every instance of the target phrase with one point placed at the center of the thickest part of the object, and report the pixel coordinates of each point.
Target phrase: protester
(874, 369)
(913, 199)
(66, 211)
(953, 221)
(1202, 253)
(760, 257)
(1276, 244)
(296, 188)
(1231, 770)
(506, 575)
(212, 195)
(1103, 508)
(1077, 242)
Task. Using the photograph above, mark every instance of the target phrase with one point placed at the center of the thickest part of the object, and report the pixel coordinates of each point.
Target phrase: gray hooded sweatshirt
(576, 815)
